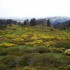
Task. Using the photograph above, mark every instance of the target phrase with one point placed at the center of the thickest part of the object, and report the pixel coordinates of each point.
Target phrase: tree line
(32, 22)
(5, 22)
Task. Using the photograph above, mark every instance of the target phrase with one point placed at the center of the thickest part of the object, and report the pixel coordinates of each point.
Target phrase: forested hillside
(63, 26)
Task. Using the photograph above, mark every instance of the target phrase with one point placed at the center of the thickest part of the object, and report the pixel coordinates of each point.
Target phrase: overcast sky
(34, 8)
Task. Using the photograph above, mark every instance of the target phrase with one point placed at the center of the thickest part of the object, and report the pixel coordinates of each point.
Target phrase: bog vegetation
(35, 47)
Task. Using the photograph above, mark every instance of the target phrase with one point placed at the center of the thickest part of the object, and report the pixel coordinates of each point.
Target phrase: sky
(34, 8)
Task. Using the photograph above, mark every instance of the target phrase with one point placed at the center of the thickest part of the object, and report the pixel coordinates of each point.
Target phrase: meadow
(34, 48)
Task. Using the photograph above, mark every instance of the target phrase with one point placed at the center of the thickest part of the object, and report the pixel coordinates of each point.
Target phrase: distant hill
(64, 25)
(56, 20)
(59, 22)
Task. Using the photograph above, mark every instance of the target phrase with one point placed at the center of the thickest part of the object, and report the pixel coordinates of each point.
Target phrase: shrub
(49, 43)
(29, 68)
(57, 50)
(34, 37)
(61, 68)
(39, 41)
(44, 68)
(36, 50)
(67, 67)
(11, 51)
(3, 66)
(24, 61)
(62, 44)
(48, 60)
(7, 45)
(42, 50)
(3, 52)
(33, 43)
(14, 51)
(10, 61)
(18, 41)
(37, 59)
(24, 36)
(10, 36)
(29, 50)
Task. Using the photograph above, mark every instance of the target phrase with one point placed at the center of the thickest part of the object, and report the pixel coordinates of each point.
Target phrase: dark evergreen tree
(48, 23)
(26, 22)
(33, 22)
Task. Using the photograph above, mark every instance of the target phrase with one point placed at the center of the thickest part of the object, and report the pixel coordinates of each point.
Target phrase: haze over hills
(53, 20)
(57, 19)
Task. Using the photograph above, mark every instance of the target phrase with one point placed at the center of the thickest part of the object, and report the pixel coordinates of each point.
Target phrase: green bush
(24, 60)
(10, 61)
(3, 66)
(37, 59)
(61, 68)
(57, 50)
(64, 67)
(29, 68)
(3, 52)
(29, 50)
(11, 51)
(67, 67)
(36, 50)
(15, 51)
(44, 68)
(42, 50)
(62, 45)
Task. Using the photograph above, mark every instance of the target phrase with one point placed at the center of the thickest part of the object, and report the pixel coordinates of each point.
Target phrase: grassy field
(34, 48)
